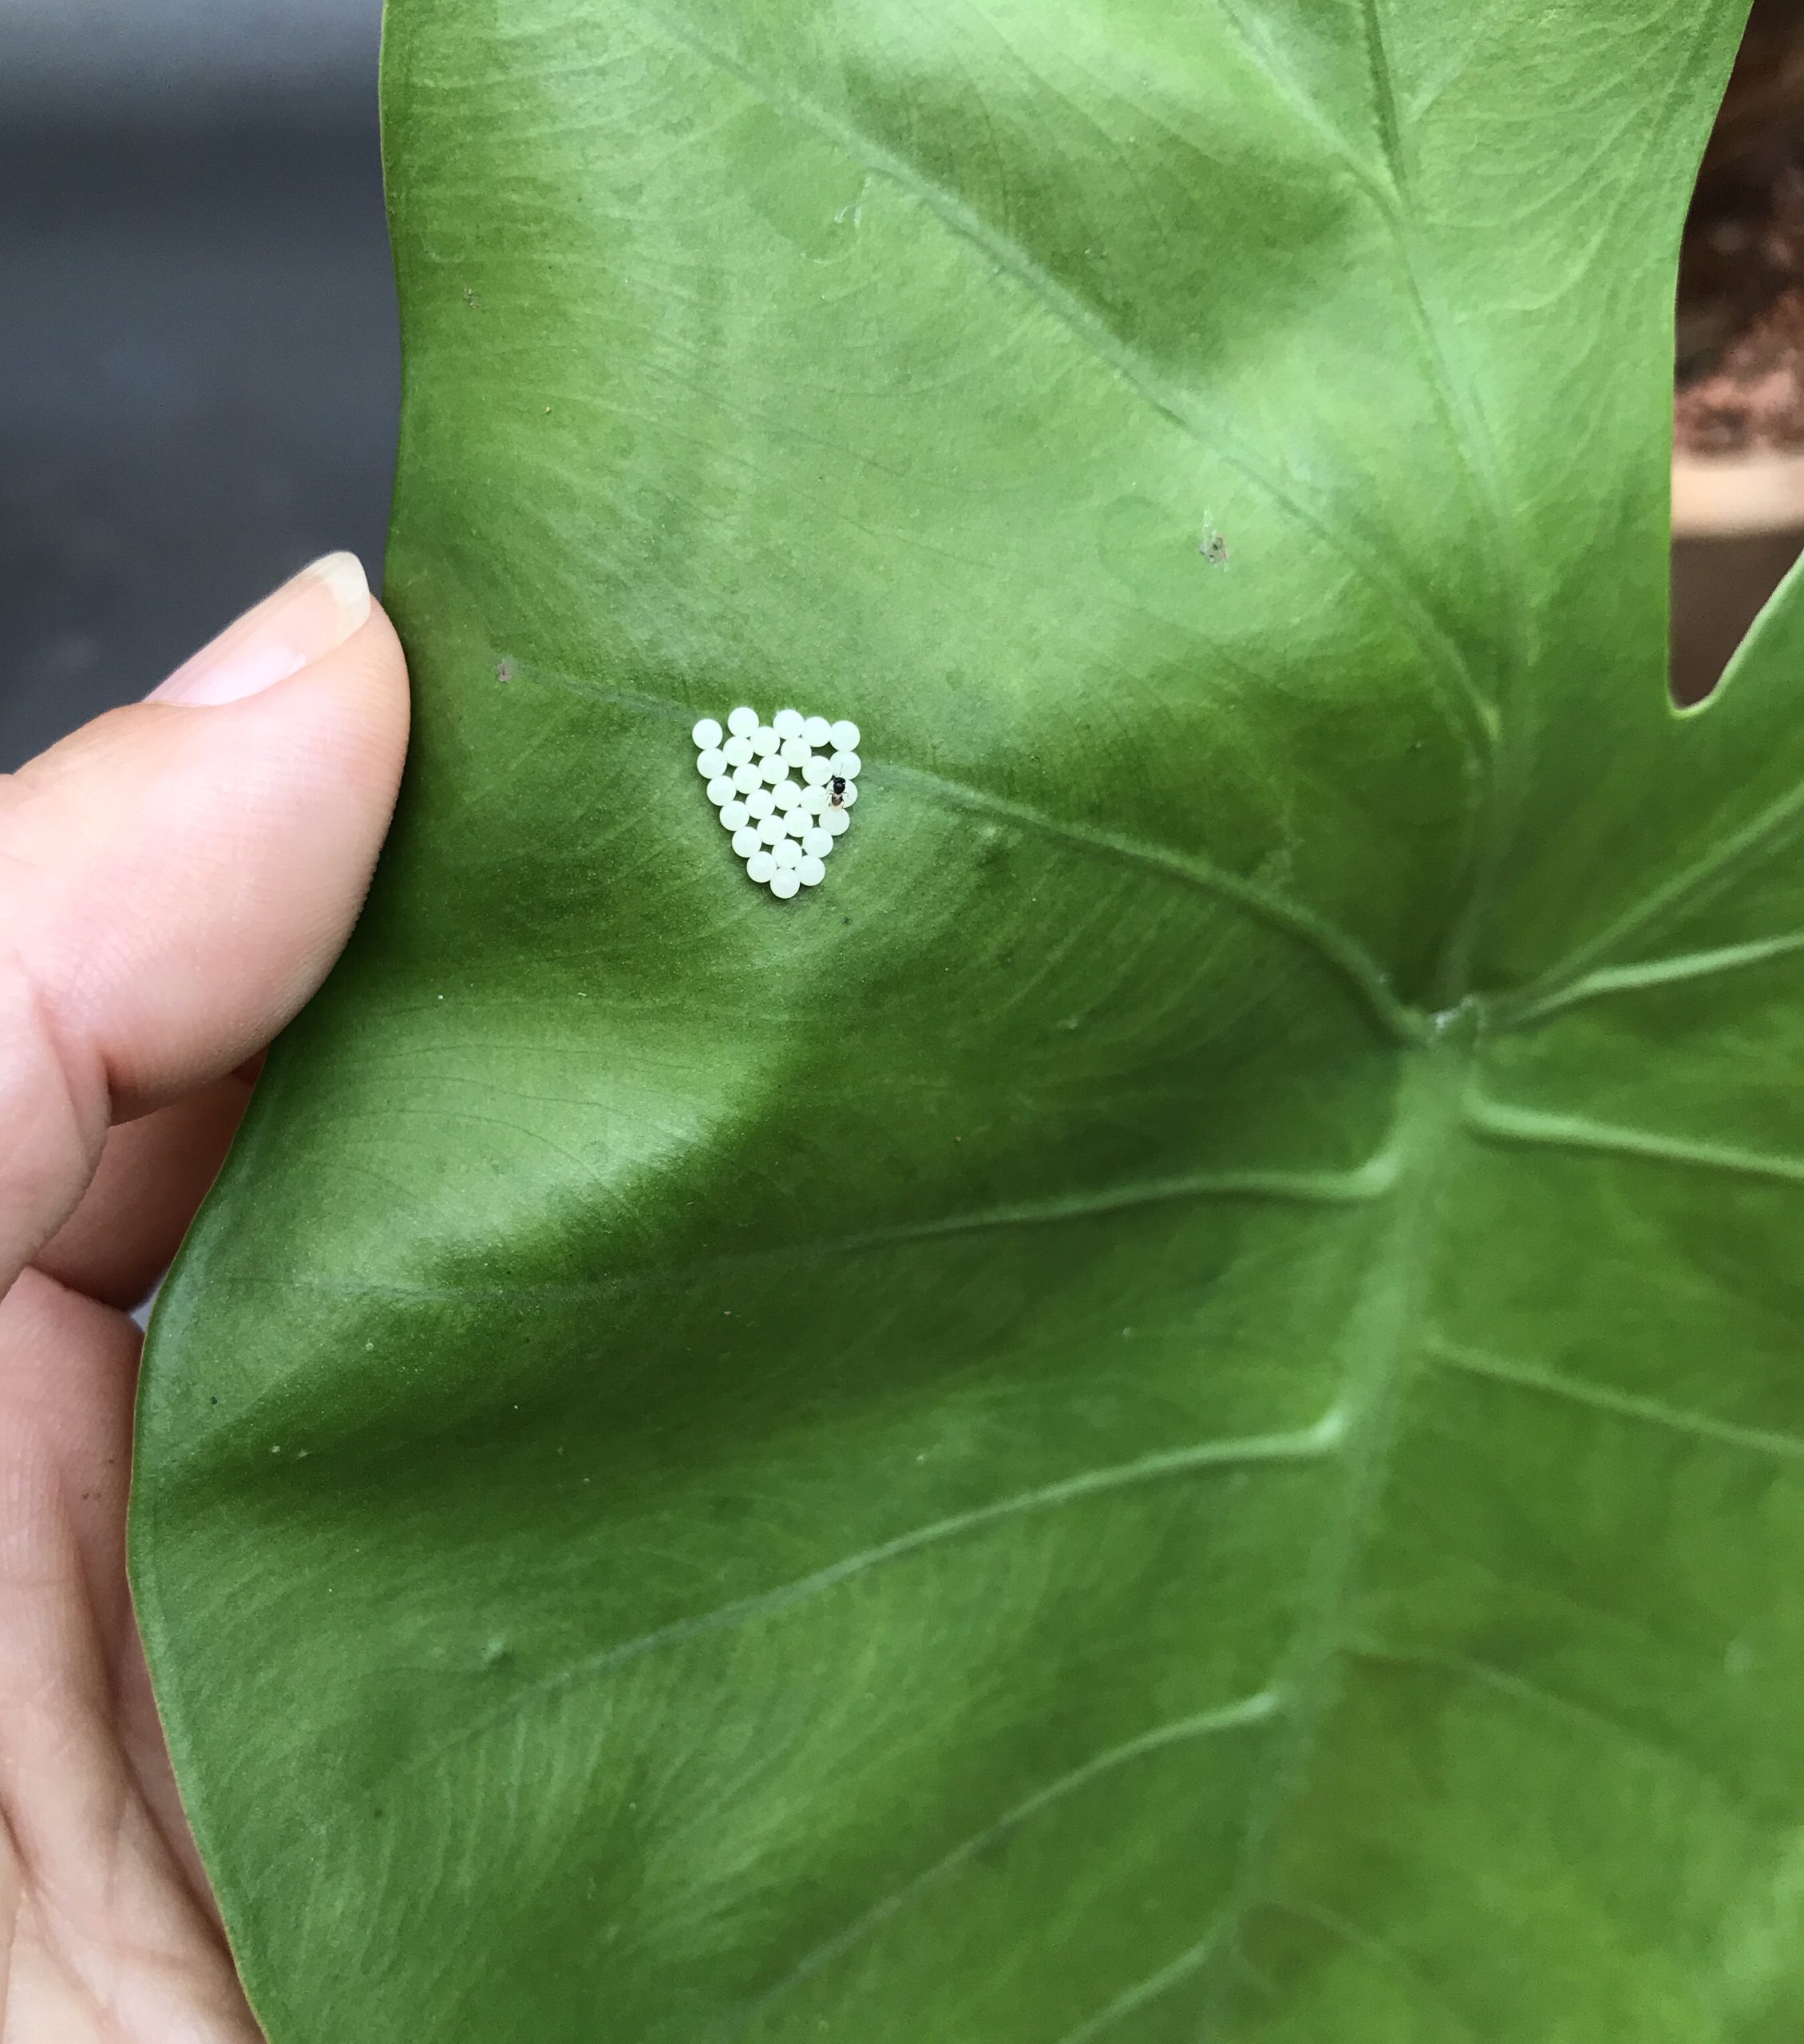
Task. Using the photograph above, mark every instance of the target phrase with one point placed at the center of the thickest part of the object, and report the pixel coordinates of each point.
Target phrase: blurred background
(198, 367)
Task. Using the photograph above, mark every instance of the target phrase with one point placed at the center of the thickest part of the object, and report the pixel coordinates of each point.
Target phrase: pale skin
(175, 880)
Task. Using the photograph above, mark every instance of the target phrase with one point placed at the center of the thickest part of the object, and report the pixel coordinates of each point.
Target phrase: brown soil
(1740, 367)
(1752, 397)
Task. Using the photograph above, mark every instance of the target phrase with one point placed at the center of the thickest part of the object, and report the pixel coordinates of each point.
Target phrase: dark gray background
(198, 367)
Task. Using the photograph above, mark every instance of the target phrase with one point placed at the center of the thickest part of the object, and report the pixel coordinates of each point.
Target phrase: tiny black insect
(838, 797)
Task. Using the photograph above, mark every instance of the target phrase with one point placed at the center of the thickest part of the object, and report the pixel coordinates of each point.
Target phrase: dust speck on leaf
(472, 299)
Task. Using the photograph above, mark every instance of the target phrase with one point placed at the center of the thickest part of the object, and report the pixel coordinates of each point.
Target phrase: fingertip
(354, 706)
(190, 872)
(311, 615)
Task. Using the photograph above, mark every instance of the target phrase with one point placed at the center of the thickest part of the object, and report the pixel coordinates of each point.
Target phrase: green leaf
(1171, 1408)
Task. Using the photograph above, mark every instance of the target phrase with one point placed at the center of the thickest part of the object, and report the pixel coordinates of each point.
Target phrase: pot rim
(1735, 496)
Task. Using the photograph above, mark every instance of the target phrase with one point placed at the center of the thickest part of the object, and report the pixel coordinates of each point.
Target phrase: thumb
(176, 878)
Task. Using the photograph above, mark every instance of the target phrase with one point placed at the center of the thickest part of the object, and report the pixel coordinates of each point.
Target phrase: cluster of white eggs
(784, 789)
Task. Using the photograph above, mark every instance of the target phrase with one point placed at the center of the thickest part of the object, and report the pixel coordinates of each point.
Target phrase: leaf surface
(1170, 1408)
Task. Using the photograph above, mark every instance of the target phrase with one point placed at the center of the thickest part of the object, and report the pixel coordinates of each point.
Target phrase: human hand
(176, 879)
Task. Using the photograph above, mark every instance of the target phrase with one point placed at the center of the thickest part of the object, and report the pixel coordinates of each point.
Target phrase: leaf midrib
(1434, 1082)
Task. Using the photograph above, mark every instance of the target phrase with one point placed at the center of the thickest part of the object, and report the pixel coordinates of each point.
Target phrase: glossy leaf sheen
(1171, 1408)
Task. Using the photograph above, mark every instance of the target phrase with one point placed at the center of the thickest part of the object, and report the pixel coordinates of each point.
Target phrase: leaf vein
(1300, 1446)
(1609, 980)
(1519, 1688)
(1468, 712)
(1534, 1128)
(1623, 1405)
(1173, 1973)
(1350, 960)
(1305, 1445)
(1253, 1710)
(1694, 884)
(1378, 1953)
(1372, 1180)
(1342, 954)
